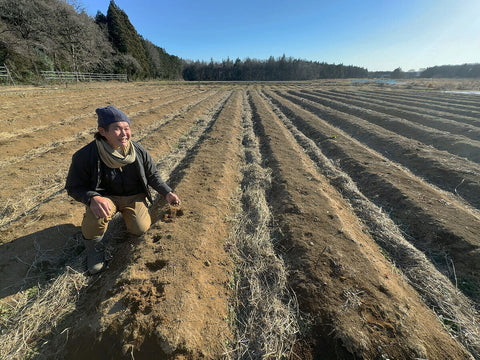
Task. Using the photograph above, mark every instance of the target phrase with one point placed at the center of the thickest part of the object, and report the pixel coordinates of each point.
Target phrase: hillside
(52, 35)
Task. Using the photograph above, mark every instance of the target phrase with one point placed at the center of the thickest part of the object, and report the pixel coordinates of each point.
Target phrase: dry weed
(37, 313)
(266, 311)
(33, 324)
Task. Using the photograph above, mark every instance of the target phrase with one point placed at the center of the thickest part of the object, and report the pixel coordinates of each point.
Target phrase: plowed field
(318, 221)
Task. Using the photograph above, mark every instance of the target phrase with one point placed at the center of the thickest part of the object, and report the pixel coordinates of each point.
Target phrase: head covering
(110, 114)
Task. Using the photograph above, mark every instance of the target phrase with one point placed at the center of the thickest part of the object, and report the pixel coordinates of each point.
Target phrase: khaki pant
(133, 208)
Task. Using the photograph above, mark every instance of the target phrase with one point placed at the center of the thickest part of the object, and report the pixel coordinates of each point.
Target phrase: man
(110, 174)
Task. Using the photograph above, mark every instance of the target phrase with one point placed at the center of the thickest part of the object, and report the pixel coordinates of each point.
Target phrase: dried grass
(31, 198)
(34, 317)
(265, 310)
(37, 315)
(188, 141)
(455, 311)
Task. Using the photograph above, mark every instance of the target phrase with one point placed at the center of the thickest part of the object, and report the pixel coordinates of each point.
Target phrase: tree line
(280, 69)
(452, 71)
(58, 35)
(464, 71)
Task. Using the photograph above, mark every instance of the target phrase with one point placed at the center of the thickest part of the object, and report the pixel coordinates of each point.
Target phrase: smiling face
(117, 134)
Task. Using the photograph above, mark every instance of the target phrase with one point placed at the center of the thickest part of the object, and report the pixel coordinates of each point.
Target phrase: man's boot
(95, 254)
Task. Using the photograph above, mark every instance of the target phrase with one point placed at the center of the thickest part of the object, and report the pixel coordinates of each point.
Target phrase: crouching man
(110, 174)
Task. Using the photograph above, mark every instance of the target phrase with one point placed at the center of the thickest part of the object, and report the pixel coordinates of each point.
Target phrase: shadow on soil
(34, 259)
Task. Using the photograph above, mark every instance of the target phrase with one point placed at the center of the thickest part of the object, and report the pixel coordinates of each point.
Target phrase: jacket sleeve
(79, 179)
(152, 176)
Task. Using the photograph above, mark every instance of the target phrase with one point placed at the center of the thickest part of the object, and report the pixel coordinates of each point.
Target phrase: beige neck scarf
(113, 158)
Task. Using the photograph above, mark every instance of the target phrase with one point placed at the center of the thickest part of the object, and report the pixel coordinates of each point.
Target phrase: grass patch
(264, 311)
(27, 325)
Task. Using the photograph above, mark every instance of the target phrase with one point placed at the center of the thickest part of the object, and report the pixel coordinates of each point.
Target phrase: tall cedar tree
(126, 40)
(40, 35)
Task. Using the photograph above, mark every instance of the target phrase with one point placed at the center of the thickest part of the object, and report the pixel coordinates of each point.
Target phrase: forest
(281, 69)
(58, 35)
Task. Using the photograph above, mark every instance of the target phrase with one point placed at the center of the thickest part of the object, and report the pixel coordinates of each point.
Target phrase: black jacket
(84, 175)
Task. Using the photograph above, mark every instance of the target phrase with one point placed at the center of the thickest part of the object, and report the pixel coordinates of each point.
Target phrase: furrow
(454, 144)
(447, 105)
(48, 180)
(444, 170)
(441, 97)
(39, 139)
(434, 222)
(184, 260)
(266, 316)
(410, 113)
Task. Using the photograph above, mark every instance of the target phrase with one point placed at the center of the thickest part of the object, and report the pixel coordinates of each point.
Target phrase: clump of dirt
(172, 213)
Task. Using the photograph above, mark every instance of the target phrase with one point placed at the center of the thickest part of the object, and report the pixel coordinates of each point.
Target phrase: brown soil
(410, 150)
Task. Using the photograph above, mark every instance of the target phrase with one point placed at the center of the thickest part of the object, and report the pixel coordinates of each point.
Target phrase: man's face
(118, 134)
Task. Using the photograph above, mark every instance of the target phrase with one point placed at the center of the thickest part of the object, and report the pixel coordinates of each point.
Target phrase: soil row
(55, 111)
(448, 101)
(414, 114)
(168, 295)
(61, 103)
(35, 141)
(455, 144)
(266, 257)
(47, 175)
(444, 113)
(432, 100)
(451, 173)
(435, 221)
(434, 288)
(50, 220)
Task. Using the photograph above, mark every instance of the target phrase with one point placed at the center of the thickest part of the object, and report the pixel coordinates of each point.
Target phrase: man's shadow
(34, 259)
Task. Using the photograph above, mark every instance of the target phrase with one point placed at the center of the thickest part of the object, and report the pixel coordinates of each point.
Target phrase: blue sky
(375, 34)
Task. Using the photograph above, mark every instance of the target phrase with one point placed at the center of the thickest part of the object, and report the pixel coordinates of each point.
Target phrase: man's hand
(100, 206)
(172, 199)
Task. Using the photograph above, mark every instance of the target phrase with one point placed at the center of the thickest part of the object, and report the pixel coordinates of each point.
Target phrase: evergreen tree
(398, 74)
(58, 35)
(126, 40)
(161, 64)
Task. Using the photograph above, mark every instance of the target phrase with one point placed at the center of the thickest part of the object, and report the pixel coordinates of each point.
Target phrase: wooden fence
(5, 74)
(65, 76)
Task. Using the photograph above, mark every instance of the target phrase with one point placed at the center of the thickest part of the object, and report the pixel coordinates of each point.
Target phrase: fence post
(9, 75)
(6, 73)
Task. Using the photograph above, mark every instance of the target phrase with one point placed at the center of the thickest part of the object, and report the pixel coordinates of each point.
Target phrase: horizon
(378, 36)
